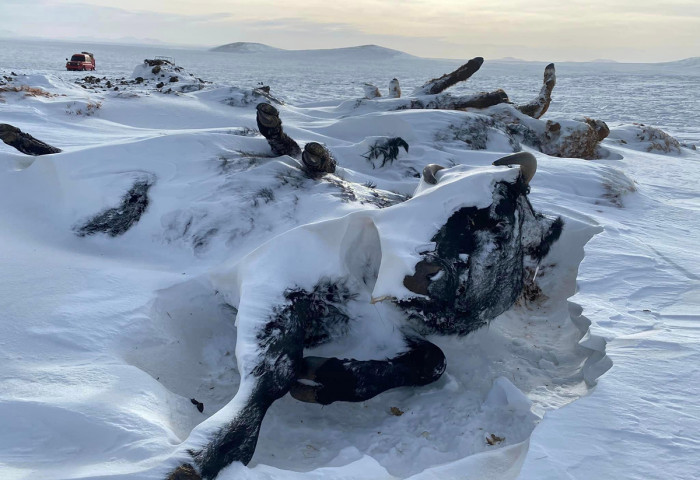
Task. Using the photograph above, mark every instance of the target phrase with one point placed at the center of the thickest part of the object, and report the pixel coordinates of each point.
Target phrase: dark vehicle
(81, 61)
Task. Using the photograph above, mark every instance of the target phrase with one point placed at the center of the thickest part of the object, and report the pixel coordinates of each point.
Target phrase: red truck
(81, 61)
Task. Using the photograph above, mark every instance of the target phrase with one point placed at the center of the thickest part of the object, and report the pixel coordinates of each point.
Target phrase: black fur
(474, 274)
(352, 380)
(388, 150)
(323, 310)
(280, 142)
(24, 142)
(280, 343)
(463, 294)
(118, 220)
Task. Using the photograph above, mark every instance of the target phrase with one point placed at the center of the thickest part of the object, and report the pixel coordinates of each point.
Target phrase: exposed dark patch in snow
(388, 150)
(350, 192)
(244, 132)
(325, 309)
(646, 138)
(239, 97)
(264, 195)
(476, 131)
(118, 220)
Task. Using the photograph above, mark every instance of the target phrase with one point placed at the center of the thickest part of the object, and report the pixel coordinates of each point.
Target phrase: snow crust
(106, 340)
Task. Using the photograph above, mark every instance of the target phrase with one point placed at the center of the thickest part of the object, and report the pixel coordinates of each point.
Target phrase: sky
(576, 30)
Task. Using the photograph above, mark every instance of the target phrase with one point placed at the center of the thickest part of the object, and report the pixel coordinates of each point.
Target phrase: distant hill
(363, 51)
(246, 47)
(509, 59)
(376, 52)
(692, 62)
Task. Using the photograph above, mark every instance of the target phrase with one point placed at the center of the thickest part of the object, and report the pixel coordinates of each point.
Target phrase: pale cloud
(631, 30)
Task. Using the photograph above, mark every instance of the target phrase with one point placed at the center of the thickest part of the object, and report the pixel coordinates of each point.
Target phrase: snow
(105, 340)
(640, 282)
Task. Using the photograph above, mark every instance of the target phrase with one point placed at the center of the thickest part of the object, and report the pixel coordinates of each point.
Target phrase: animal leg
(328, 380)
(437, 85)
(270, 125)
(268, 378)
(538, 107)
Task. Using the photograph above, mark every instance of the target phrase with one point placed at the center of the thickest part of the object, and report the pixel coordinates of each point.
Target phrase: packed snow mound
(165, 73)
(645, 138)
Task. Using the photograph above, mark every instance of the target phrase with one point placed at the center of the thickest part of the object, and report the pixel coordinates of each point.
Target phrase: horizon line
(209, 47)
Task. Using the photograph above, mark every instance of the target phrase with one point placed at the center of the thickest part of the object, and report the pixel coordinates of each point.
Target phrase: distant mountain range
(376, 52)
(364, 51)
(520, 60)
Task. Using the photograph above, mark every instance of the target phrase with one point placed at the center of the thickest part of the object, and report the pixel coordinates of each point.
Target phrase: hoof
(268, 115)
(317, 159)
(305, 393)
(316, 379)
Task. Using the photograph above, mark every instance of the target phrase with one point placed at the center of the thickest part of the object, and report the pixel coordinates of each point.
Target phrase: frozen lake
(664, 95)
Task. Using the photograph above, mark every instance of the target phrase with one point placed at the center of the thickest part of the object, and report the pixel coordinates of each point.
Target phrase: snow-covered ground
(106, 339)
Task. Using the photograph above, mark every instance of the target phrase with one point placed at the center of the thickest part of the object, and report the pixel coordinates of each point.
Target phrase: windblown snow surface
(105, 339)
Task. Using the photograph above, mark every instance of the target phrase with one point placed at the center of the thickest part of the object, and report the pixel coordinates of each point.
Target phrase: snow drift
(109, 338)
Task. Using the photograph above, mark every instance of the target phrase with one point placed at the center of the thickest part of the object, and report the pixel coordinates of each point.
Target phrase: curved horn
(526, 160)
(429, 173)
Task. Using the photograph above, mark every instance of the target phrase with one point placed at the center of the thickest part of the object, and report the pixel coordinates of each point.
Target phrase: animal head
(475, 271)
